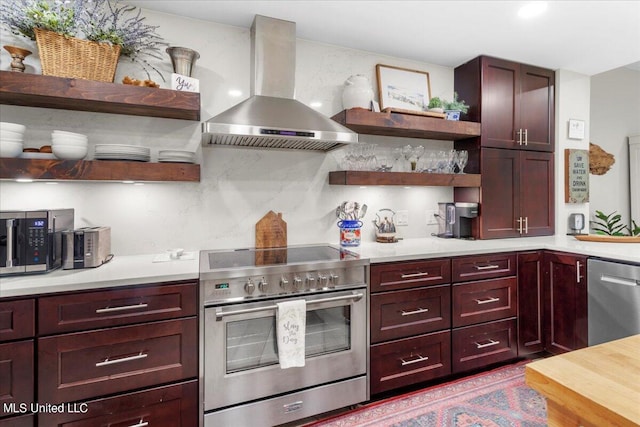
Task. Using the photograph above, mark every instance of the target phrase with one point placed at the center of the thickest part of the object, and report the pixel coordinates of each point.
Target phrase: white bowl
(64, 132)
(69, 141)
(69, 152)
(14, 127)
(10, 148)
(9, 134)
(18, 140)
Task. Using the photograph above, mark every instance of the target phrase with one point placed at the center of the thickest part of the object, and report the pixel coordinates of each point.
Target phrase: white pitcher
(357, 92)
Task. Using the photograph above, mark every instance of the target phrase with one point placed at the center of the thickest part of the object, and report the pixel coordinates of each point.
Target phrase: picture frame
(576, 129)
(402, 88)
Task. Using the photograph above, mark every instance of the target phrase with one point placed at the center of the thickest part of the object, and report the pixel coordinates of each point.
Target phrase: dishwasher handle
(620, 280)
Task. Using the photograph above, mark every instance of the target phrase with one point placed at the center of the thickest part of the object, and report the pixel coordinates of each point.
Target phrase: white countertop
(140, 269)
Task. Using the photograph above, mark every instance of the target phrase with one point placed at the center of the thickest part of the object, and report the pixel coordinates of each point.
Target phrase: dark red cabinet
(530, 303)
(513, 101)
(565, 300)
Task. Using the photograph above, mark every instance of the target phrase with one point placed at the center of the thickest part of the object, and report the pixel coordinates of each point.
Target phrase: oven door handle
(220, 314)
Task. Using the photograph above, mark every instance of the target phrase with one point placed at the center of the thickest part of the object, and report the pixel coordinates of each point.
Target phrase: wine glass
(461, 159)
(396, 153)
(418, 152)
(407, 151)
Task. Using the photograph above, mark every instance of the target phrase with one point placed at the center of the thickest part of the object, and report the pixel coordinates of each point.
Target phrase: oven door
(241, 359)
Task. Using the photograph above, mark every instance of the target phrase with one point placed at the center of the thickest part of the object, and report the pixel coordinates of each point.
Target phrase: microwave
(31, 241)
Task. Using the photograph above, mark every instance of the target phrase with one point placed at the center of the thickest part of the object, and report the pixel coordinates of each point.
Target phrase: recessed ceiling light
(128, 182)
(24, 180)
(532, 9)
(316, 104)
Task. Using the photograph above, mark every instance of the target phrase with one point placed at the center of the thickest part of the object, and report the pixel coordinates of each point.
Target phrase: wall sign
(576, 129)
(576, 176)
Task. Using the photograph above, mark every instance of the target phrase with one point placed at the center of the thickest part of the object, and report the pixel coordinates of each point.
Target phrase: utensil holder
(350, 231)
(183, 59)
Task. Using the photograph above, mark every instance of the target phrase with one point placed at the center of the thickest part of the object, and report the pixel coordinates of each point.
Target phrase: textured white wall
(615, 115)
(238, 186)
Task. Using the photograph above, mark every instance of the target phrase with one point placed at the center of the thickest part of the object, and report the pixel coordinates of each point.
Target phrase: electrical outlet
(402, 217)
(431, 218)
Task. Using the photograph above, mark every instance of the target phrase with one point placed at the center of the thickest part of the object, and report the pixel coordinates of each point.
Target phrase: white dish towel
(291, 320)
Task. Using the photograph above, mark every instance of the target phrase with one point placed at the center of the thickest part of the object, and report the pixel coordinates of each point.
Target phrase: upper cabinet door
(500, 113)
(537, 89)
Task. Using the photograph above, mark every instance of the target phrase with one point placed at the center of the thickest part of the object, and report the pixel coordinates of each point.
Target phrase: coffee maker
(464, 214)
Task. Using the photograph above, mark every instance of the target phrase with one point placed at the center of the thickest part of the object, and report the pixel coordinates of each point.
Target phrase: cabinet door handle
(487, 301)
(519, 221)
(486, 267)
(526, 225)
(418, 311)
(140, 424)
(121, 308)
(526, 137)
(108, 361)
(407, 276)
(519, 132)
(420, 358)
(578, 276)
(489, 344)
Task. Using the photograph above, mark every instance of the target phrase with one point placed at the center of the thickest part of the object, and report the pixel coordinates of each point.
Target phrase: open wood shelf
(403, 178)
(97, 170)
(406, 125)
(34, 90)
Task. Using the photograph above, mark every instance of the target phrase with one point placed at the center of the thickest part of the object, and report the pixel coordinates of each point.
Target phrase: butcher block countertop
(594, 386)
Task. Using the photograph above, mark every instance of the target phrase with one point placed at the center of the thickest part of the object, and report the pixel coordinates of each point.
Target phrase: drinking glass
(407, 151)
(396, 153)
(418, 152)
(461, 159)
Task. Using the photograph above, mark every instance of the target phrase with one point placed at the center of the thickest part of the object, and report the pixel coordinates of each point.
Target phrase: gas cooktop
(244, 258)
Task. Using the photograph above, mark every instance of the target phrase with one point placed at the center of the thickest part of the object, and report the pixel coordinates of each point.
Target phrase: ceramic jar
(357, 92)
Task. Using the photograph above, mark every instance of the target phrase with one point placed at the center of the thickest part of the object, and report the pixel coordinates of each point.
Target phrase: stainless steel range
(243, 381)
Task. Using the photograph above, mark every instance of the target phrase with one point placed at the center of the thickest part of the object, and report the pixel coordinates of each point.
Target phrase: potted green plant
(611, 225)
(436, 105)
(83, 29)
(455, 108)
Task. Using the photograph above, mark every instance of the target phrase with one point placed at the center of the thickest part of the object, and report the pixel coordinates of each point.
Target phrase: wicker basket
(65, 56)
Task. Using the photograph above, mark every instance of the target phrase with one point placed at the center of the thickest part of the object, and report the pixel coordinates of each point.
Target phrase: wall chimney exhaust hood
(271, 118)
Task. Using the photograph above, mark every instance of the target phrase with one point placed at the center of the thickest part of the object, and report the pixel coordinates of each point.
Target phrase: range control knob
(249, 286)
(333, 279)
(311, 281)
(323, 280)
(284, 283)
(297, 283)
(263, 285)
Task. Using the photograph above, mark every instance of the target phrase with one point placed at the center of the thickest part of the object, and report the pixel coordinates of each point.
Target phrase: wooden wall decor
(576, 176)
(599, 160)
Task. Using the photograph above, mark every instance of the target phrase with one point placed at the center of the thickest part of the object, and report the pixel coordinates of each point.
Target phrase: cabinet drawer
(91, 310)
(17, 319)
(479, 267)
(16, 376)
(89, 364)
(412, 274)
(481, 345)
(170, 406)
(486, 300)
(401, 314)
(410, 361)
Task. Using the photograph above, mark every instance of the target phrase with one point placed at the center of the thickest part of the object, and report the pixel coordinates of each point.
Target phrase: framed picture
(403, 89)
(576, 129)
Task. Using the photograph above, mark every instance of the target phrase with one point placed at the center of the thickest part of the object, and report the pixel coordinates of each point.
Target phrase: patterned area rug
(498, 398)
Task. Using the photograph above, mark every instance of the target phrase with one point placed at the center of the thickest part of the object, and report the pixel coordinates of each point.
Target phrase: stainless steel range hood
(271, 118)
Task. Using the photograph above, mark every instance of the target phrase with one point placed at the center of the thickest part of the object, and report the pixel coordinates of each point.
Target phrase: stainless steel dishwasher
(614, 300)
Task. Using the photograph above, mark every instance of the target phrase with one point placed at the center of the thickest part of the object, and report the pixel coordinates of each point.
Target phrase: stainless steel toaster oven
(86, 247)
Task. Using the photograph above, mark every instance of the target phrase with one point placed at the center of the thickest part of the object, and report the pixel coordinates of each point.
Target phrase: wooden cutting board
(271, 231)
(609, 239)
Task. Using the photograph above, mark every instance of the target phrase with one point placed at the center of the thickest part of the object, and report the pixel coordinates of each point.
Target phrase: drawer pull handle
(489, 344)
(408, 276)
(420, 358)
(121, 308)
(140, 424)
(486, 267)
(108, 361)
(487, 301)
(418, 311)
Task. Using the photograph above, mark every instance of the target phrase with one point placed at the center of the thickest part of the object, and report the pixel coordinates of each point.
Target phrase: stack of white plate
(176, 156)
(122, 152)
(11, 139)
(69, 145)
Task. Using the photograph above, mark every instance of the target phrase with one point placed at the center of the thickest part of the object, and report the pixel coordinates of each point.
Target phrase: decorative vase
(183, 59)
(357, 92)
(17, 56)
